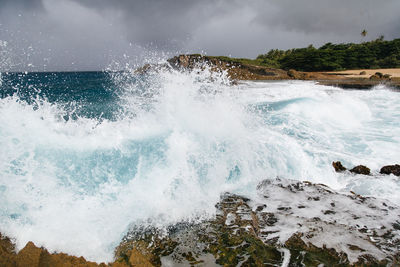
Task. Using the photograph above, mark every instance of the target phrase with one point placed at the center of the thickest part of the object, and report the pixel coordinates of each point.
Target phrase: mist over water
(84, 156)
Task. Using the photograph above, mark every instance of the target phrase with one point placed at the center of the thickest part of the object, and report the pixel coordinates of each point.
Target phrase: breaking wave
(79, 167)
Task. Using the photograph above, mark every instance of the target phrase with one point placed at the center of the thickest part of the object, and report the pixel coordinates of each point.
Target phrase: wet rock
(29, 255)
(7, 252)
(368, 260)
(284, 208)
(261, 232)
(329, 212)
(337, 165)
(33, 256)
(354, 247)
(261, 207)
(361, 169)
(375, 77)
(310, 255)
(391, 169)
(363, 73)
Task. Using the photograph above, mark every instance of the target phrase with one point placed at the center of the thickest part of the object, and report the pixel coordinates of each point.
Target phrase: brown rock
(138, 253)
(138, 258)
(391, 169)
(293, 74)
(7, 252)
(338, 166)
(184, 61)
(361, 169)
(29, 255)
(119, 264)
(363, 73)
(235, 69)
(374, 77)
(32, 256)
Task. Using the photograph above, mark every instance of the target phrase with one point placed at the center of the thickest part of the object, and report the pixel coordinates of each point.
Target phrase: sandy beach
(395, 73)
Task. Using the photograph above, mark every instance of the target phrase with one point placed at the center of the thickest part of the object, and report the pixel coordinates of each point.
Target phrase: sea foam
(180, 140)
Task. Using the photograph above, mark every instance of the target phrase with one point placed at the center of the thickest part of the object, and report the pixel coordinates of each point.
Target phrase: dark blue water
(80, 94)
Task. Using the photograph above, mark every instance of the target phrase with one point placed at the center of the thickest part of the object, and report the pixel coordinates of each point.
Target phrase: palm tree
(364, 33)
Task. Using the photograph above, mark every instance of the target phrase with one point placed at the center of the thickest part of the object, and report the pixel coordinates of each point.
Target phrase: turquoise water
(85, 155)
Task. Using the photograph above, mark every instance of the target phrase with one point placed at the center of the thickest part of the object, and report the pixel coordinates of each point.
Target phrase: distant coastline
(351, 65)
(356, 79)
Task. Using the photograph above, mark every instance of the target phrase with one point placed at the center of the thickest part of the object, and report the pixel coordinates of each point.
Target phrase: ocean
(87, 155)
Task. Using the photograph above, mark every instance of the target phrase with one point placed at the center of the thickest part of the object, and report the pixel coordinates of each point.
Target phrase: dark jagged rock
(361, 169)
(338, 166)
(337, 230)
(360, 83)
(375, 77)
(391, 169)
(317, 256)
(281, 224)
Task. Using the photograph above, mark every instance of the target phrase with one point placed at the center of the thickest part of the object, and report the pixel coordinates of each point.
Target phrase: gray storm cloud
(89, 34)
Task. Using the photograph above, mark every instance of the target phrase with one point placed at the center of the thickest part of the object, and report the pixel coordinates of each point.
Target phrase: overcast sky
(92, 34)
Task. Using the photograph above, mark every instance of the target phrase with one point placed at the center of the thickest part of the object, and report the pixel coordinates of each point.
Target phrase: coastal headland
(355, 79)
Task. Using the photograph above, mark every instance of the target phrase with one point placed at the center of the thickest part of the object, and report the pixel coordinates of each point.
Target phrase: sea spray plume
(142, 88)
(168, 162)
(180, 140)
(4, 59)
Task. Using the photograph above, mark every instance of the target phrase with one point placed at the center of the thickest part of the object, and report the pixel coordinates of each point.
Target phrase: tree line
(330, 57)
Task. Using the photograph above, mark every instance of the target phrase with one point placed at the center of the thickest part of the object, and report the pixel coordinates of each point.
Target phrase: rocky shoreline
(288, 223)
(240, 71)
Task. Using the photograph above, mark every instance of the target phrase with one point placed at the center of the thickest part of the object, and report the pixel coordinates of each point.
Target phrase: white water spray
(76, 186)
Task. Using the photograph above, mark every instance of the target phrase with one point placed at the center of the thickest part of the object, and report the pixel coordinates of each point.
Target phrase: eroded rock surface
(32, 256)
(337, 165)
(361, 169)
(289, 222)
(391, 169)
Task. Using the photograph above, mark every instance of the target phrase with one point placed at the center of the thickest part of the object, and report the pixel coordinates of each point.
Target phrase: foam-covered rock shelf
(289, 223)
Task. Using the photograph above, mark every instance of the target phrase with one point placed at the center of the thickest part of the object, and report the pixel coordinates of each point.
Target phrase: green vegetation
(330, 57)
(369, 55)
(248, 61)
